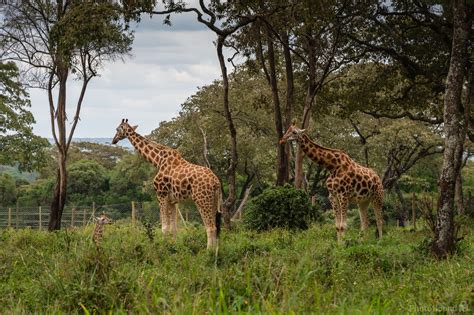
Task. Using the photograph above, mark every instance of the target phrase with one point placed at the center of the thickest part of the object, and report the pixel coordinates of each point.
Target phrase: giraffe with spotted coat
(178, 180)
(348, 181)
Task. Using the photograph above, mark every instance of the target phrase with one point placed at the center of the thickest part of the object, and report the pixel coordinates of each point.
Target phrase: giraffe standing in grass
(98, 233)
(348, 181)
(178, 180)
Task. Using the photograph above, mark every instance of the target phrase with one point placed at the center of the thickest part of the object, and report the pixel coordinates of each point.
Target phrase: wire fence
(74, 216)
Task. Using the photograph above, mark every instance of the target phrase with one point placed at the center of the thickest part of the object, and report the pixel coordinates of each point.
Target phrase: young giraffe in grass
(178, 180)
(98, 233)
(348, 181)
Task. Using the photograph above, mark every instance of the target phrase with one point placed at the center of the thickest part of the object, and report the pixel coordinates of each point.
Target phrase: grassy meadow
(271, 272)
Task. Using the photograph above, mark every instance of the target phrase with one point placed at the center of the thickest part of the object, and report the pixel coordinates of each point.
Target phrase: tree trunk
(59, 197)
(402, 214)
(60, 191)
(290, 96)
(455, 132)
(308, 106)
(459, 197)
(273, 81)
(230, 201)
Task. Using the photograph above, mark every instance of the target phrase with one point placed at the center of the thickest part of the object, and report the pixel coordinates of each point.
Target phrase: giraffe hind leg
(377, 204)
(208, 215)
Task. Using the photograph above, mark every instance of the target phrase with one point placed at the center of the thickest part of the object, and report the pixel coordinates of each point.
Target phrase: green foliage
(270, 272)
(8, 190)
(280, 207)
(131, 179)
(91, 26)
(37, 193)
(87, 180)
(18, 144)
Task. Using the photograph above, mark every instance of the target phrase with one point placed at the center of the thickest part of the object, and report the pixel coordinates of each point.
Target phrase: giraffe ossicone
(348, 181)
(178, 180)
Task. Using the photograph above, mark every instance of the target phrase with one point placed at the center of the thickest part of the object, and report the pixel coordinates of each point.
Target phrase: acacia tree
(403, 34)
(54, 40)
(18, 144)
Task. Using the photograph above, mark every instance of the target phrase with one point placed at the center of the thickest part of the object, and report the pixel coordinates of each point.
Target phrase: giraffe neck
(151, 151)
(98, 231)
(329, 158)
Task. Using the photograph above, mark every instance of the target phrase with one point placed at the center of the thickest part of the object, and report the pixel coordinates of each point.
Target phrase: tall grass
(269, 272)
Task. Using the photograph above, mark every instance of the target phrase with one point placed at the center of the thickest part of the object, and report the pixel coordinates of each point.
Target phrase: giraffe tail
(218, 203)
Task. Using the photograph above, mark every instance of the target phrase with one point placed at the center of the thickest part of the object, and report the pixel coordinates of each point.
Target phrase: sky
(167, 66)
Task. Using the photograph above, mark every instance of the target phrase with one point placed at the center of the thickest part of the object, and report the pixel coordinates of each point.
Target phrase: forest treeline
(389, 82)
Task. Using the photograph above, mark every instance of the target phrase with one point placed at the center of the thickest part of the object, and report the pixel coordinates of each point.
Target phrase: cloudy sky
(167, 66)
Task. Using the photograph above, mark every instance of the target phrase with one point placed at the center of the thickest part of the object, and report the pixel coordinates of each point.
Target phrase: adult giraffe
(178, 180)
(348, 181)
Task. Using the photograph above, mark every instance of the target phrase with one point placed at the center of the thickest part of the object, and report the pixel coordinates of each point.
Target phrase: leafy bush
(283, 207)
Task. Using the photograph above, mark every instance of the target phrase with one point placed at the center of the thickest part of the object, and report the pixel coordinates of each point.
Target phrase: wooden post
(93, 210)
(40, 223)
(84, 216)
(9, 217)
(413, 210)
(313, 200)
(73, 213)
(17, 223)
(134, 222)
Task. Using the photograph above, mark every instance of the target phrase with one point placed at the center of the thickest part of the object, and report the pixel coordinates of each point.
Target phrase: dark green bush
(283, 207)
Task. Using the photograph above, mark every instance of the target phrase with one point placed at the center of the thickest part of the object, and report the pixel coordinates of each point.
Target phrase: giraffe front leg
(364, 220)
(164, 215)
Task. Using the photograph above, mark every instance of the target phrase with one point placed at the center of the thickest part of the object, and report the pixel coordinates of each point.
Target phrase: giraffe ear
(302, 131)
(135, 127)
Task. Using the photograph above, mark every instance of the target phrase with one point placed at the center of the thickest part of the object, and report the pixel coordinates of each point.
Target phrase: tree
(18, 144)
(8, 191)
(56, 39)
(455, 128)
(88, 180)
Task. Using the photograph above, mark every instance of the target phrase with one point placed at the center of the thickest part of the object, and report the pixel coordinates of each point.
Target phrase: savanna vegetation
(391, 84)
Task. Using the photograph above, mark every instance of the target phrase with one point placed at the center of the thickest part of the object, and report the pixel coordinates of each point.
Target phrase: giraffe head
(123, 131)
(293, 133)
(103, 219)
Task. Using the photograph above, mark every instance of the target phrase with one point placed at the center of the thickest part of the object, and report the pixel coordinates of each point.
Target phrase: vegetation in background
(280, 207)
(18, 145)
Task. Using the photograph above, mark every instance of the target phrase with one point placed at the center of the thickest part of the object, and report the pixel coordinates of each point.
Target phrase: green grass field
(272, 272)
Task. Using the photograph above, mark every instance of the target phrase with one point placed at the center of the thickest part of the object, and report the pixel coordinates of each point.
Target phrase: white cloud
(167, 66)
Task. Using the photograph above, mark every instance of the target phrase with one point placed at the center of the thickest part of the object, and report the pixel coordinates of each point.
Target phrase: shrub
(283, 207)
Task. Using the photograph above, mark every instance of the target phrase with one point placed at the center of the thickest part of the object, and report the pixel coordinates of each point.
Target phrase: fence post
(134, 214)
(413, 210)
(16, 215)
(40, 223)
(73, 212)
(93, 210)
(84, 216)
(9, 217)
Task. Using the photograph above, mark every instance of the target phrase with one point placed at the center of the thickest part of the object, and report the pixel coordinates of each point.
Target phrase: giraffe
(98, 233)
(348, 181)
(178, 180)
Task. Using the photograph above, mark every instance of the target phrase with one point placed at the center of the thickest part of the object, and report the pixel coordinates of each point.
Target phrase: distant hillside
(107, 141)
(16, 174)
